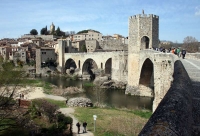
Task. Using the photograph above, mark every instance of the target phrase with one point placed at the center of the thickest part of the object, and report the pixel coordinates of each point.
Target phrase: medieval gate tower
(143, 34)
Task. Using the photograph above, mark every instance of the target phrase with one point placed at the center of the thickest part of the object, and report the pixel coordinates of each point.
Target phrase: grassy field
(113, 122)
(60, 104)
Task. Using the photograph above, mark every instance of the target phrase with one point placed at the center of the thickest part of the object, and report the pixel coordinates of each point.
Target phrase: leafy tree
(83, 48)
(191, 44)
(43, 31)
(33, 32)
(59, 32)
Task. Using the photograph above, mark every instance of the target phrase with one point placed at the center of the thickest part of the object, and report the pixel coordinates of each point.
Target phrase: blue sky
(177, 18)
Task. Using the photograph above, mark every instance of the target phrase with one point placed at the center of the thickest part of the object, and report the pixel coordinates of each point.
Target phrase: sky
(177, 18)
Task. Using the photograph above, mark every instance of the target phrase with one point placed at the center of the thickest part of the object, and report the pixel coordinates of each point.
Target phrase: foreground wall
(173, 116)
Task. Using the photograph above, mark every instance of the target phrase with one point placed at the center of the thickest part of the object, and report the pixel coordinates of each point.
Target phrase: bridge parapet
(192, 56)
(173, 115)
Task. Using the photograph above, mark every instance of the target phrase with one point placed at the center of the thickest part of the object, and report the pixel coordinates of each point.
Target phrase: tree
(190, 39)
(83, 48)
(43, 31)
(33, 32)
(191, 44)
(9, 80)
(58, 31)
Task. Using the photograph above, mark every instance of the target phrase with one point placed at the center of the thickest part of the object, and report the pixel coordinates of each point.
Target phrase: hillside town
(22, 51)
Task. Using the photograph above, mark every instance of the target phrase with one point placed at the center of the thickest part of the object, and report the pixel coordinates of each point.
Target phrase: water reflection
(111, 97)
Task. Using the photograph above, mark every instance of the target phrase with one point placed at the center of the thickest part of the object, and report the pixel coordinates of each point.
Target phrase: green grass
(143, 114)
(60, 104)
(112, 122)
(88, 84)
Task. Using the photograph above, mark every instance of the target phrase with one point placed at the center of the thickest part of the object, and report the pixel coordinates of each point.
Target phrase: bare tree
(190, 39)
(9, 80)
(191, 44)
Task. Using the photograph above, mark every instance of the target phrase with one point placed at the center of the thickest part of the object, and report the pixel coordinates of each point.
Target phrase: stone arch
(70, 66)
(145, 41)
(146, 81)
(108, 66)
(89, 67)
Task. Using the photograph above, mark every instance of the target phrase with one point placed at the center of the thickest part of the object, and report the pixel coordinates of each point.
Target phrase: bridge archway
(108, 67)
(70, 64)
(145, 42)
(89, 67)
(146, 73)
(146, 81)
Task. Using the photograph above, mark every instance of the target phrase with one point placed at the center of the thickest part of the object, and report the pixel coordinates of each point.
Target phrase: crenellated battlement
(144, 16)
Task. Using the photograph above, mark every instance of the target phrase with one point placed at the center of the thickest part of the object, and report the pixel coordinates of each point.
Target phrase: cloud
(197, 11)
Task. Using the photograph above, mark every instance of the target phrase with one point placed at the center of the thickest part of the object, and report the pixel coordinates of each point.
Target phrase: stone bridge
(179, 113)
(112, 64)
(150, 75)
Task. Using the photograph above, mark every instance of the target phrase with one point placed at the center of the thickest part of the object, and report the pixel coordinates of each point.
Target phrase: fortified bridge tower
(143, 34)
(149, 72)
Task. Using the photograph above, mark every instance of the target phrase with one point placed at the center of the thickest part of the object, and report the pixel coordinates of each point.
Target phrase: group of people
(84, 127)
(21, 96)
(176, 51)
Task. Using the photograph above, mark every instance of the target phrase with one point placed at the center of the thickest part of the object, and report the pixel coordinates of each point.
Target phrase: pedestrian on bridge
(183, 53)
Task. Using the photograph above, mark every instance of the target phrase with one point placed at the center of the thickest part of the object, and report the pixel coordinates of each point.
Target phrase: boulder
(79, 102)
(100, 80)
(118, 85)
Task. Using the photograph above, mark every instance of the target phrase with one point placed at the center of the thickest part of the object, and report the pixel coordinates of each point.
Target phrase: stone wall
(173, 116)
(113, 44)
(44, 37)
(38, 61)
(192, 56)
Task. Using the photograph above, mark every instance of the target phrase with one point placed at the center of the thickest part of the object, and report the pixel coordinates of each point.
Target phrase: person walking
(183, 53)
(78, 126)
(84, 127)
(178, 52)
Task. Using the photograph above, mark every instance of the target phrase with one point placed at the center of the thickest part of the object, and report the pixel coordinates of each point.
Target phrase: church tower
(52, 28)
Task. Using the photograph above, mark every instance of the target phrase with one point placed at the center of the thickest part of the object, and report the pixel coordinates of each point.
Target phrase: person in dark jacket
(84, 127)
(78, 126)
(183, 53)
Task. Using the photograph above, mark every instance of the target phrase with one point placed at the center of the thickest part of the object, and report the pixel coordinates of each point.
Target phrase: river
(111, 97)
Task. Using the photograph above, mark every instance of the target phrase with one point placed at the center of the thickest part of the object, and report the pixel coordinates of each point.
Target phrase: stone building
(90, 35)
(38, 41)
(18, 53)
(43, 55)
(4, 52)
(92, 45)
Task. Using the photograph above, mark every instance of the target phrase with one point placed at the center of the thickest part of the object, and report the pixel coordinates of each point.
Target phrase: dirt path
(69, 112)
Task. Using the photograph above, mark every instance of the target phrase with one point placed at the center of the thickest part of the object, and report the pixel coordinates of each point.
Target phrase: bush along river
(110, 97)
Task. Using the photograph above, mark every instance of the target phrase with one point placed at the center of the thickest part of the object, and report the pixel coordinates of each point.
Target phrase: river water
(111, 97)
